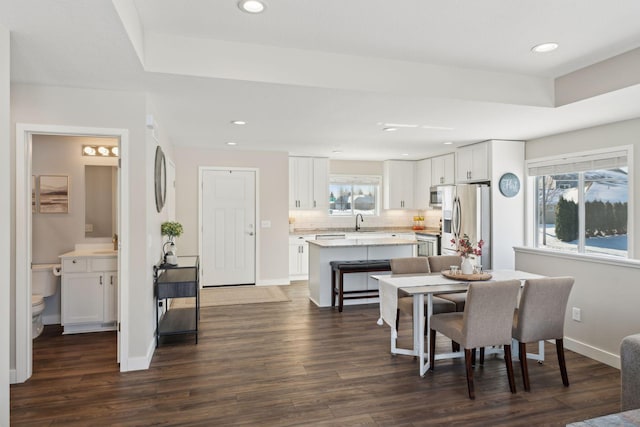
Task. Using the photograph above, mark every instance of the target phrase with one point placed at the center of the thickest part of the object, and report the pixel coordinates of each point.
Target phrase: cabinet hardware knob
(74, 261)
(100, 280)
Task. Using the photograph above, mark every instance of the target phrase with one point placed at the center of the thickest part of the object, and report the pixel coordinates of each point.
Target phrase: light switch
(265, 223)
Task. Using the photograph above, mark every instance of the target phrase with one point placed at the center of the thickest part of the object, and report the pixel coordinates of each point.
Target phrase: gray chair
(541, 317)
(630, 373)
(486, 321)
(416, 265)
(438, 263)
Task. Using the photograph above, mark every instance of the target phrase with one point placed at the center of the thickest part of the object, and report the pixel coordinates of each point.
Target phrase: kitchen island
(322, 252)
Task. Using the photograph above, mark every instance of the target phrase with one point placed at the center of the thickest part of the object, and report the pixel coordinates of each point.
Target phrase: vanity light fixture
(100, 150)
(238, 122)
(252, 6)
(545, 47)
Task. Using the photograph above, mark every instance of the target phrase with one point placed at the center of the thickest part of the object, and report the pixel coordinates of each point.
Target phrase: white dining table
(420, 286)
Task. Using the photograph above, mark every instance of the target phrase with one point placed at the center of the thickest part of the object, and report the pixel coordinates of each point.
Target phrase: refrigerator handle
(456, 218)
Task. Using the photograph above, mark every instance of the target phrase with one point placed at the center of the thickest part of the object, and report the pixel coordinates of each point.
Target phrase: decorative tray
(467, 277)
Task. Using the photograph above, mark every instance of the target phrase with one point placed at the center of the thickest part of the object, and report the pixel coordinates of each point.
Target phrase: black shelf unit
(177, 281)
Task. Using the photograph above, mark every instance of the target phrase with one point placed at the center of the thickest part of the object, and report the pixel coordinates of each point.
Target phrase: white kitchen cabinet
(308, 183)
(298, 257)
(443, 170)
(472, 163)
(422, 184)
(89, 294)
(398, 176)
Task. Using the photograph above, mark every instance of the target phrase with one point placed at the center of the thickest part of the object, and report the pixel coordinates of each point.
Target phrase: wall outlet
(576, 314)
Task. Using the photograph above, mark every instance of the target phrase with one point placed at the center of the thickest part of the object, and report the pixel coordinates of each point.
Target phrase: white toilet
(45, 281)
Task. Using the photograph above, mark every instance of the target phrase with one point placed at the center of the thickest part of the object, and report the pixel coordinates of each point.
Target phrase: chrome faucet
(361, 220)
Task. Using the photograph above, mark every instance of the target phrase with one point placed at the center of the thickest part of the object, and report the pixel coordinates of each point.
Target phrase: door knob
(250, 233)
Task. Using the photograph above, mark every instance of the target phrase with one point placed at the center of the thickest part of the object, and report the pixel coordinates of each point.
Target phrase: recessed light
(404, 154)
(238, 122)
(545, 47)
(232, 143)
(251, 6)
(337, 151)
(389, 129)
(448, 143)
(436, 127)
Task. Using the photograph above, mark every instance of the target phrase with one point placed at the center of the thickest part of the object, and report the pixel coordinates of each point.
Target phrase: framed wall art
(53, 193)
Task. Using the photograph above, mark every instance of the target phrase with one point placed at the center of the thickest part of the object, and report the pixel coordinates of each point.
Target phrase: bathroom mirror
(160, 178)
(100, 201)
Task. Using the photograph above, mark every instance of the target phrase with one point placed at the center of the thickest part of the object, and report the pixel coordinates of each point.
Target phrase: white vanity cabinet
(89, 293)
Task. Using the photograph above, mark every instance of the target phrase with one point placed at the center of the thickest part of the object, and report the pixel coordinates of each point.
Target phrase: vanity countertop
(97, 253)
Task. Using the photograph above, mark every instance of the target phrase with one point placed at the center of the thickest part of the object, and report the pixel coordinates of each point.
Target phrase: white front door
(228, 227)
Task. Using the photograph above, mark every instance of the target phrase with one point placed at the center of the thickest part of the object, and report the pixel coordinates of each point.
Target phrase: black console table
(177, 281)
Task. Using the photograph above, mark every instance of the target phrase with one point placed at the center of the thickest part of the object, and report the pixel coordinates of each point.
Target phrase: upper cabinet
(422, 184)
(398, 177)
(308, 183)
(443, 170)
(472, 163)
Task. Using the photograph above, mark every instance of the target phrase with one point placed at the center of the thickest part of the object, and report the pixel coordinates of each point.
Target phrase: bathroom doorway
(25, 136)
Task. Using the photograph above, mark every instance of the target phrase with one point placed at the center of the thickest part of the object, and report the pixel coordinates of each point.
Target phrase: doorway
(227, 225)
(24, 184)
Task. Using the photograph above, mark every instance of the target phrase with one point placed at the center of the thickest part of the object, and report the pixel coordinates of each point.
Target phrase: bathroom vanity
(89, 290)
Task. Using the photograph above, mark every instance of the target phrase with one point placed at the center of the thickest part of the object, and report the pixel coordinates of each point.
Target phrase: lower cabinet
(298, 258)
(89, 298)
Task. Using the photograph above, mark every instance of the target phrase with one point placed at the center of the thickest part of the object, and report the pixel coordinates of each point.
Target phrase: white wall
(103, 109)
(5, 227)
(606, 294)
(272, 253)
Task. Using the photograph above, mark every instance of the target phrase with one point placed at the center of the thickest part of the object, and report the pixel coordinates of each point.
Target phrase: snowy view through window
(605, 206)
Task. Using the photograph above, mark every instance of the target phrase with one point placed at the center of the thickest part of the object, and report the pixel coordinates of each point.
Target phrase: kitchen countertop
(308, 231)
(346, 243)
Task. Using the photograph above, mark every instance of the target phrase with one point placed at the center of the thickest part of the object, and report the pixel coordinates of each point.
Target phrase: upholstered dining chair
(416, 265)
(437, 263)
(486, 321)
(540, 316)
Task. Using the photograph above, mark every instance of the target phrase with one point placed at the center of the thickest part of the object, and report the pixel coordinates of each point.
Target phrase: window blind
(578, 163)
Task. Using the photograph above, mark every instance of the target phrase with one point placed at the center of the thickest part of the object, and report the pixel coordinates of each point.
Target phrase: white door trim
(24, 133)
(201, 171)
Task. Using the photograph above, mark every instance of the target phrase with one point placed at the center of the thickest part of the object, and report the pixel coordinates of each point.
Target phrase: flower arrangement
(466, 248)
(171, 229)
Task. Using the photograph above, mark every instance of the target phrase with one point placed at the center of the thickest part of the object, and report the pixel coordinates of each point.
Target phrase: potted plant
(466, 249)
(171, 229)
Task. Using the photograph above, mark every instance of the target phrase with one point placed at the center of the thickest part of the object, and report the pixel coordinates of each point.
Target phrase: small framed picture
(53, 193)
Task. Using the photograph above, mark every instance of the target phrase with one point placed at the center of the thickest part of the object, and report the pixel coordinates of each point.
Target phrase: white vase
(467, 266)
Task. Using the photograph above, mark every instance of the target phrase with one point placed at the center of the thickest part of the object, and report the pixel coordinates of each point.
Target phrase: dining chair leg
(397, 319)
(468, 364)
(432, 348)
(473, 357)
(561, 362)
(482, 355)
(455, 347)
(524, 368)
(507, 360)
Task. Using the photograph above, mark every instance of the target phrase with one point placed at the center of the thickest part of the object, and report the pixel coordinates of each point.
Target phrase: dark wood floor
(290, 363)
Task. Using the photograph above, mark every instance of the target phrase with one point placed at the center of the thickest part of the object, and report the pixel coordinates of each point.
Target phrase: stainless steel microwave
(435, 197)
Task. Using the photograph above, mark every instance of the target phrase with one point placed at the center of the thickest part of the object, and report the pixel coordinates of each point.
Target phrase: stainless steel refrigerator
(466, 209)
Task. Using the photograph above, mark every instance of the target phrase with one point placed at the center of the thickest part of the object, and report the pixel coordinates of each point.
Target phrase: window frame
(352, 179)
(532, 208)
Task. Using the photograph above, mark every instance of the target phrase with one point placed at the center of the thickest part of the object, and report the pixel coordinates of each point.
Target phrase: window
(582, 203)
(352, 195)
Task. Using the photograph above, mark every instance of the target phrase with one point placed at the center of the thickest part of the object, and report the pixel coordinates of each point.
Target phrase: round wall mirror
(160, 178)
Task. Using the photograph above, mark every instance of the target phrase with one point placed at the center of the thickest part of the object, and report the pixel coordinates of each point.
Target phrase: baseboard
(273, 282)
(13, 377)
(591, 352)
(142, 363)
(299, 277)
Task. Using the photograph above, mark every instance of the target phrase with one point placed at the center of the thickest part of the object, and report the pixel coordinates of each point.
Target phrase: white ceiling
(314, 77)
